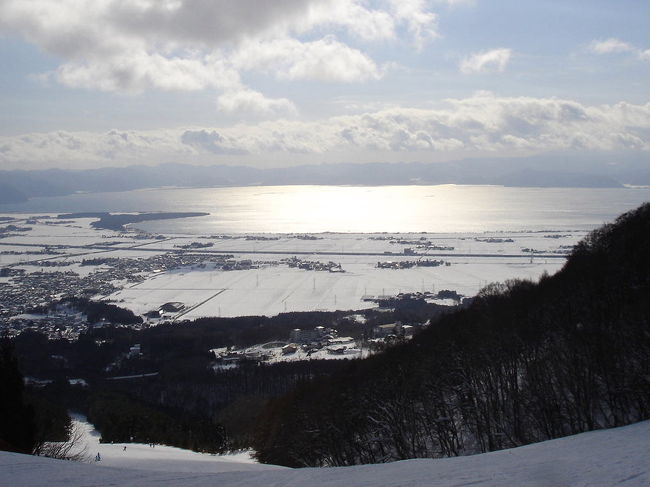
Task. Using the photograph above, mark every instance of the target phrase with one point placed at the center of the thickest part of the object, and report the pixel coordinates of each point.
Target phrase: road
(143, 248)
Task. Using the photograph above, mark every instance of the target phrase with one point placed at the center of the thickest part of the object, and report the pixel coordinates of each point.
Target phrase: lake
(355, 209)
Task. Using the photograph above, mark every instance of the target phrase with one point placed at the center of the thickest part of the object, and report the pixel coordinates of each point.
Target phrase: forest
(182, 401)
(525, 362)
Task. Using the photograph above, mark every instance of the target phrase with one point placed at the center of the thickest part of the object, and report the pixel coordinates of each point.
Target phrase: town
(319, 343)
(52, 266)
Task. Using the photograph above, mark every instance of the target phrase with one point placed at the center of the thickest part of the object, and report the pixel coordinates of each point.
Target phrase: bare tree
(74, 448)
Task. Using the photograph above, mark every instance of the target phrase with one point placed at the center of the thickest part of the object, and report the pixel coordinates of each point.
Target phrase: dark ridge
(117, 222)
(9, 194)
(525, 362)
(88, 214)
(558, 179)
(599, 169)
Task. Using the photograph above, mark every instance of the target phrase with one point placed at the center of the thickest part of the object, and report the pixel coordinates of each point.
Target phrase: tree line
(525, 362)
(27, 422)
(187, 397)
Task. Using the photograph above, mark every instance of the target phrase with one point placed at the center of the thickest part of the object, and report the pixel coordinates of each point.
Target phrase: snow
(272, 353)
(476, 260)
(276, 289)
(597, 459)
(160, 458)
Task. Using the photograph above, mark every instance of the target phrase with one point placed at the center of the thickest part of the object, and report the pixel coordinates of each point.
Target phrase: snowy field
(272, 290)
(597, 459)
(272, 287)
(159, 458)
(274, 354)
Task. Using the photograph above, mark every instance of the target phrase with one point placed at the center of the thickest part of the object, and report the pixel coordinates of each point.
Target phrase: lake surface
(302, 209)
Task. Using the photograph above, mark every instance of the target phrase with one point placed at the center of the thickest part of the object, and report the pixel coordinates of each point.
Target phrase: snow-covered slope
(158, 458)
(602, 458)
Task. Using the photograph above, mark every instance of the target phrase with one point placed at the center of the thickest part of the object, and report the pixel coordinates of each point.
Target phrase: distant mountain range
(9, 194)
(598, 170)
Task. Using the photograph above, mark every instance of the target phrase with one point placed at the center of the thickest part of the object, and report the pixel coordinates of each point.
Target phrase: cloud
(352, 16)
(137, 71)
(420, 23)
(617, 46)
(486, 61)
(81, 28)
(323, 60)
(210, 141)
(132, 46)
(254, 103)
(608, 46)
(482, 124)
(456, 3)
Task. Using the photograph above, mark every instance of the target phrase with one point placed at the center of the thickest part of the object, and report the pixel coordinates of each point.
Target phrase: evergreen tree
(17, 431)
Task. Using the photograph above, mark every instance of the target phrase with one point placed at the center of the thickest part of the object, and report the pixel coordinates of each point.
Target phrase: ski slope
(159, 458)
(616, 457)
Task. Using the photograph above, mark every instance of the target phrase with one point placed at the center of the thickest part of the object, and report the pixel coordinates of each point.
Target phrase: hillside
(597, 459)
(547, 170)
(9, 194)
(526, 362)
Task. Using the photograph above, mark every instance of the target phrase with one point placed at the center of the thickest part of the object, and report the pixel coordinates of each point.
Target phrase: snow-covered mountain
(604, 458)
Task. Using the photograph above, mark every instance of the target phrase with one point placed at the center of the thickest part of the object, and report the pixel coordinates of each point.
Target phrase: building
(289, 349)
(408, 331)
(135, 351)
(382, 331)
(172, 307)
(298, 335)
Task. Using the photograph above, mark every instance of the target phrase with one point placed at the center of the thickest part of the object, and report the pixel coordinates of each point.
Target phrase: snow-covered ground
(475, 259)
(273, 352)
(159, 457)
(597, 459)
(272, 290)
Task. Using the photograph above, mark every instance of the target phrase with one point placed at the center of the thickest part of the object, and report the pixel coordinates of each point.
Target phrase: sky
(95, 83)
